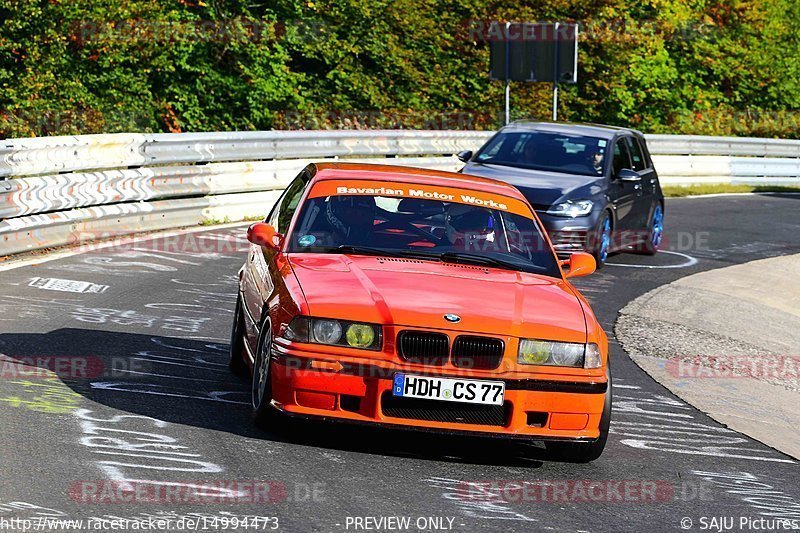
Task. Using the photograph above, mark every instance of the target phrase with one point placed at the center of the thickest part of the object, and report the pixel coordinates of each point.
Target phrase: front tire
(261, 389)
(602, 245)
(655, 231)
(586, 452)
(235, 361)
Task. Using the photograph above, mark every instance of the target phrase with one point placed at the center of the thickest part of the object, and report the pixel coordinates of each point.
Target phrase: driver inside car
(351, 218)
(470, 228)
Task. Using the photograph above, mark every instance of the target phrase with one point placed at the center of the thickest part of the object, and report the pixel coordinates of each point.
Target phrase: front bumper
(571, 234)
(544, 408)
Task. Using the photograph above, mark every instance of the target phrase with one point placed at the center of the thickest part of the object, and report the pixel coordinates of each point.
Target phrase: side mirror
(263, 234)
(579, 264)
(465, 155)
(627, 174)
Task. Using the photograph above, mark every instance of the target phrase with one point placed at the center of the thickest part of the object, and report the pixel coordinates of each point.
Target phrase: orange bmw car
(420, 299)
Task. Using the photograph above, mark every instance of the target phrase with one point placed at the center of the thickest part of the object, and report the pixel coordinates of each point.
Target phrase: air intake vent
(417, 261)
(439, 411)
(399, 260)
(424, 347)
(484, 353)
(468, 267)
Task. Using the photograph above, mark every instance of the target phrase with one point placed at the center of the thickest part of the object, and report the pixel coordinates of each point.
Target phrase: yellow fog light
(360, 335)
(552, 353)
(533, 352)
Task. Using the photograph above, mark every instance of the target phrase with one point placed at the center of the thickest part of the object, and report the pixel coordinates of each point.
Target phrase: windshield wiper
(445, 257)
(502, 163)
(525, 166)
(456, 257)
(363, 250)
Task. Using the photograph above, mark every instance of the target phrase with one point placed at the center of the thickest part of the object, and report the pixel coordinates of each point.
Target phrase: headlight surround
(552, 353)
(334, 333)
(571, 208)
(592, 359)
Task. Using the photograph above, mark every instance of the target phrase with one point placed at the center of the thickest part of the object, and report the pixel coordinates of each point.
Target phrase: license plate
(449, 389)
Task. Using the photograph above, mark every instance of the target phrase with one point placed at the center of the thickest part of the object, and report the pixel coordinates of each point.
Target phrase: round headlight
(568, 354)
(327, 331)
(360, 335)
(533, 353)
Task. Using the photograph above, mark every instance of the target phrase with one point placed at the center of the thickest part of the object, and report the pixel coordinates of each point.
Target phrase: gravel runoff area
(727, 341)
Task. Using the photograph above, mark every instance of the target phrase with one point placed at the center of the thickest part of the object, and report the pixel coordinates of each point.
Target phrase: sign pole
(508, 102)
(508, 75)
(555, 101)
(555, 72)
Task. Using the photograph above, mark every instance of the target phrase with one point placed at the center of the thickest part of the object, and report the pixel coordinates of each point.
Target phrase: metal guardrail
(723, 146)
(43, 155)
(67, 189)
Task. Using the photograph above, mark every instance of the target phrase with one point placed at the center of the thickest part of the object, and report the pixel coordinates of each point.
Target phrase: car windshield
(553, 152)
(424, 229)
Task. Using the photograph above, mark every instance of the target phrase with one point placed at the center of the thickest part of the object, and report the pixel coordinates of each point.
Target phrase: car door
(262, 276)
(623, 193)
(643, 202)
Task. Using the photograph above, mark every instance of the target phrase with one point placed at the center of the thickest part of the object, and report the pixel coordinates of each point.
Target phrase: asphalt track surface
(160, 405)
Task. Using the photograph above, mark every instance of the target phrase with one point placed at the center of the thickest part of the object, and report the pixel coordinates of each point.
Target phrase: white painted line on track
(723, 194)
(690, 261)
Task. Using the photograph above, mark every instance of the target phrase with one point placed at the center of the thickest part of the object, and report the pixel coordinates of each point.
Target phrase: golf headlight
(550, 353)
(571, 208)
(334, 332)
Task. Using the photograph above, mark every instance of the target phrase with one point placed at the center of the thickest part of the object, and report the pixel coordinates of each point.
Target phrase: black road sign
(541, 51)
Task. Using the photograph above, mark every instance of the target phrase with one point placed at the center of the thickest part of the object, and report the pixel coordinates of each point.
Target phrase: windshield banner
(422, 192)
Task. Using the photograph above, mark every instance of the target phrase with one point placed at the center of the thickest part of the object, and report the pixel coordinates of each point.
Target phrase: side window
(648, 162)
(282, 213)
(637, 158)
(622, 158)
(493, 148)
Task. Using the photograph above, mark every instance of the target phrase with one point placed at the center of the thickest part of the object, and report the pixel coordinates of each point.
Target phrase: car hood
(410, 292)
(539, 187)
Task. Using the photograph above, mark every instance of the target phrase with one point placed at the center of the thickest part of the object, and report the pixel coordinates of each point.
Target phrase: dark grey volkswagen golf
(594, 187)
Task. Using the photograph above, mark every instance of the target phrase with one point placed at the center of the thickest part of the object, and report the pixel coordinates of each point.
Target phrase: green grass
(215, 221)
(226, 220)
(677, 191)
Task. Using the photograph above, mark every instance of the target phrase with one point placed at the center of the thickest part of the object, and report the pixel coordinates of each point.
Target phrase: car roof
(402, 174)
(593, 130)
